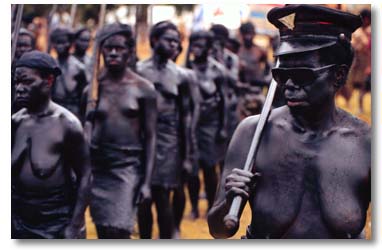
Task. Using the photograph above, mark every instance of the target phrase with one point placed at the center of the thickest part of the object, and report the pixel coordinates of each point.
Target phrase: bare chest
(305, 180)
(251, 57)
(39, 145)
(207, 80)
(312, 163)
(166, 80)
(70, 80)
(118, 101)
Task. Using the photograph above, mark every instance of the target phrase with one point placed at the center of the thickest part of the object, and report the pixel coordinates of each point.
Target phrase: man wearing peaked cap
(307, 27)
(312, 170)
(50, 168)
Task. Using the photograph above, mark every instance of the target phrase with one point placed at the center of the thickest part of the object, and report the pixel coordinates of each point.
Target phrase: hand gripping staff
(231, 220)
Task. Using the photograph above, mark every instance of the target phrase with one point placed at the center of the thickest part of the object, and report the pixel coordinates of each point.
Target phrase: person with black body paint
(122, 139)
(253, 73)
(82, 38)
(173, 140)
(50, 159)
(69, 86)
(26, 42)
(312, 171)
(179, 196)
(211, 129)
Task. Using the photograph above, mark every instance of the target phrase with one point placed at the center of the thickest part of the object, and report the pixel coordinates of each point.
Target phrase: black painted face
(199, 48)
(115, 52)
(248, 38)
(30, 87)
(176, 53)
(62, 44)
(217, 48)
(167, 43)
(24, 44)
(314, 94)
(83, 40)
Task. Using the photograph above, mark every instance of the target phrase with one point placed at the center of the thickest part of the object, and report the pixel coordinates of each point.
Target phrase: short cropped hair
(159, 29)
(247, 27)
(25, 32)
(61, 31)
(202, 34)
(220, 32)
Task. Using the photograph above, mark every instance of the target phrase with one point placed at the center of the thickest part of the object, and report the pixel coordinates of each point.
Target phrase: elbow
(216, 227)
(213, 228)
(217, 234)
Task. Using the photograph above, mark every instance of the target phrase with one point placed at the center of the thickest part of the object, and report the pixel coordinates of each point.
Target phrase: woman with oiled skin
(68, 89)
(173, 147)
(123, 137)
(82, 38)
(50, 159)
(212, 123)
(179, 197)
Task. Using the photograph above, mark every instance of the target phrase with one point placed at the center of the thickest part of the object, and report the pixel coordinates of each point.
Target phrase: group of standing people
(154, 125)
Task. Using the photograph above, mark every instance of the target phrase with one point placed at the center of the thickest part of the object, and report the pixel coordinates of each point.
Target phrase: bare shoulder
(143, 65)
(249, 123)
(188, 72)
(19, 116)
(70, 122)
(77, 63)
(231, 56)
(259, 48)
(276, 116)
(354, 127)
(147, 87)
(187, 75)
(184, 72)
(217, 66)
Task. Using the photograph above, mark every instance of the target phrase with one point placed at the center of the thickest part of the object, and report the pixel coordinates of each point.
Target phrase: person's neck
(200, 62)
(79, 53)
(40, 108)
(116, 74)
(160, 61)
(63, 57)
(248, 45)
(317, 121)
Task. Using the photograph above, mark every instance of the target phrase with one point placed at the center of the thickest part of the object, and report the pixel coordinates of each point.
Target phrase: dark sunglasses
(300, 76)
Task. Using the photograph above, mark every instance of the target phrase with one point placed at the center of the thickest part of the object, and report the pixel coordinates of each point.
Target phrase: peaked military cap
(311, 27)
